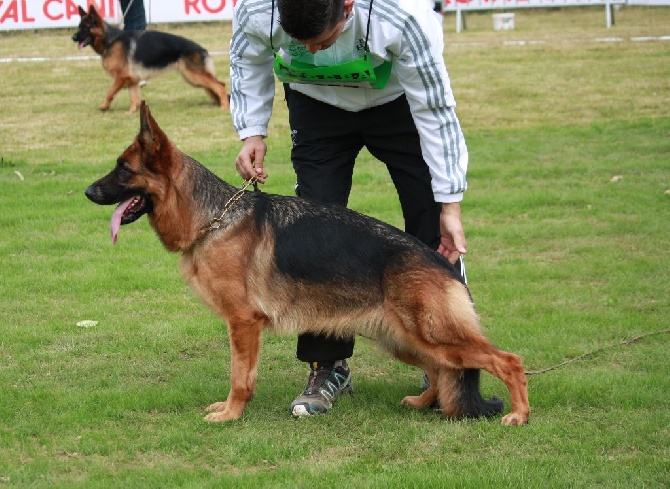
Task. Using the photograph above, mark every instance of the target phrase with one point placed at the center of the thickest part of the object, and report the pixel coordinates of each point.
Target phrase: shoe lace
(331, 378)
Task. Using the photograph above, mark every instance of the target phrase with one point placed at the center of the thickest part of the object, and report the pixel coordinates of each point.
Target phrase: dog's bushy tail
(459, 395)
(470, 402)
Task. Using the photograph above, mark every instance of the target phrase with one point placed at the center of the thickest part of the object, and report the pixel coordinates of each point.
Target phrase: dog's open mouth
(84, 43)
(128, 211)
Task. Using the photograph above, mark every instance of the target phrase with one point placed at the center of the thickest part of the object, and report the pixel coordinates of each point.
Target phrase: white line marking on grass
(71, 58)
(642, 39)
(39, 60)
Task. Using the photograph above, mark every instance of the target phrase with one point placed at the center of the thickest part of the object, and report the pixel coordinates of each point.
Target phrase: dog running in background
(131, 56)
(290, 265)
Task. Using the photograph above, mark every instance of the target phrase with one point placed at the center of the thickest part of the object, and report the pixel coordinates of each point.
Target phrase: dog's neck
(194, 198)
(102, 43)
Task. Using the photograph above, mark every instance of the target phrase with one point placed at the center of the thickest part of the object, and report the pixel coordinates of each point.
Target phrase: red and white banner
(41, 14)
(189, 10)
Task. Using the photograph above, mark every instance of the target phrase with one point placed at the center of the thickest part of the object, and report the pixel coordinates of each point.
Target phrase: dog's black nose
(90, 193)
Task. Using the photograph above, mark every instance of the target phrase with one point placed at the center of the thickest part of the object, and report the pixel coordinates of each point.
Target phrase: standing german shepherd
(294, 266)
(131, 56)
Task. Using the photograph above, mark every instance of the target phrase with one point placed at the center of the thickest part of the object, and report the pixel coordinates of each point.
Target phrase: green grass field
(568, 226)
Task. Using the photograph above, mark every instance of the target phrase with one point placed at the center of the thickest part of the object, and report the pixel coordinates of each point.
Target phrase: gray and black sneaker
(326, 382)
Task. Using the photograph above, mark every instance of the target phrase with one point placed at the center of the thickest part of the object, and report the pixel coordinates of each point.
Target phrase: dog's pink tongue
(116, 218)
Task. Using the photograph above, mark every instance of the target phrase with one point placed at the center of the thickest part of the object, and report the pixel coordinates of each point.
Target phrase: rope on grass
(588, 354)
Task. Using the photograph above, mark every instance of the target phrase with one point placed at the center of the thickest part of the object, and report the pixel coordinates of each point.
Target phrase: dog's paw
(411, 401)
(217, 406)
(515, 419)
(220, 416)
(418, 402)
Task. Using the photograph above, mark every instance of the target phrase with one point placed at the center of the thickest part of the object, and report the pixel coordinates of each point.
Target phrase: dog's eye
(123, 168)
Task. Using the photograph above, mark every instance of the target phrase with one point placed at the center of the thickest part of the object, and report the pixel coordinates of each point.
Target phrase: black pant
(326, 141)
(135, 18)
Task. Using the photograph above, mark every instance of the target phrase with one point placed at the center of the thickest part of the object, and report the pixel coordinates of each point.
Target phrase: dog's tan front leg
(245, 343)
(117, 85)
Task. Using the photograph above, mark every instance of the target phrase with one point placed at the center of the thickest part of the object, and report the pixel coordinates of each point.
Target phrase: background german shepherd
(292, 266)
(131, 56)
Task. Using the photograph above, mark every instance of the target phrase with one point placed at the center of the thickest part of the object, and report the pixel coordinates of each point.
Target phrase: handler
(356, 73)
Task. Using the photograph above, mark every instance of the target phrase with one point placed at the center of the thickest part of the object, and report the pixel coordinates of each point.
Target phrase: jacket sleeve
(252, 85)
(421, 70)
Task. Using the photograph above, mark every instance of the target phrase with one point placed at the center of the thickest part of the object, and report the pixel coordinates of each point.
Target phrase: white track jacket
(407, 32)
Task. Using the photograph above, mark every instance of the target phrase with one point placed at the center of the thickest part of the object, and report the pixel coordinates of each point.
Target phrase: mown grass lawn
(568, 226)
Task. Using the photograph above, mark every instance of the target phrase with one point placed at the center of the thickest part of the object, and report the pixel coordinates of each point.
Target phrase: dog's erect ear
(82, 12)
(94, 14)
(151, 136)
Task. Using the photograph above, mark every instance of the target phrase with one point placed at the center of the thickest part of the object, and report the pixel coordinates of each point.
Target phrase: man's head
(315, 23)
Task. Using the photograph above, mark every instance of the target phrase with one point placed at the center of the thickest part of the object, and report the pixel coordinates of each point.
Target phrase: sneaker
(326, 381)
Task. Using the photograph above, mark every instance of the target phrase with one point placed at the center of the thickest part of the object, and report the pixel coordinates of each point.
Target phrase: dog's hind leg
(199, 72)
(135, 97)
(217, 92)
(438, 322)
(480, 354)
(456, 390)
(428, 396)
(245, 343)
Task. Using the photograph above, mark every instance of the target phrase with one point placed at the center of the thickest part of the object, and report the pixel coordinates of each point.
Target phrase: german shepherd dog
(289, 265)
(131, 56)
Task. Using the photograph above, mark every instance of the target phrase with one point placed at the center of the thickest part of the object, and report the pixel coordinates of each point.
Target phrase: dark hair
(308, 19)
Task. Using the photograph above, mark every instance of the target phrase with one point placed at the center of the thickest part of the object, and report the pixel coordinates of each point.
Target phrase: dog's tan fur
(420, 313)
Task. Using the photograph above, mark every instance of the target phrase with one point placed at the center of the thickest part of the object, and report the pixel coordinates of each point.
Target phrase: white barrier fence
(41, 14)
(460, 7)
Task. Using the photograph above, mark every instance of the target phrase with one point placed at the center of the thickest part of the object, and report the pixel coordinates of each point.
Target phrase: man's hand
(452, 236)
(249, 161)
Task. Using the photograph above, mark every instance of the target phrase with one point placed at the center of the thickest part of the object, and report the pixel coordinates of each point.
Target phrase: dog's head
(137, 181)
(91, 26)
